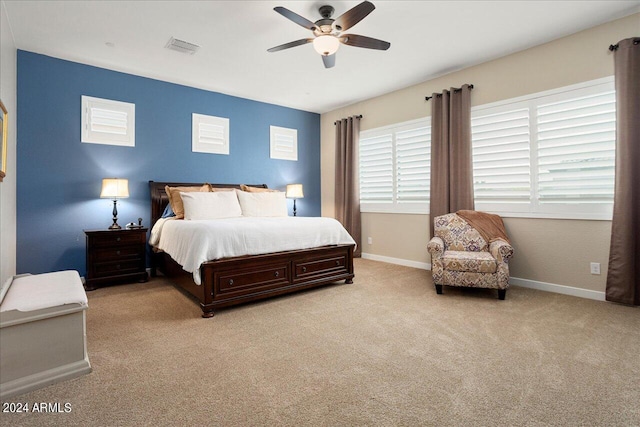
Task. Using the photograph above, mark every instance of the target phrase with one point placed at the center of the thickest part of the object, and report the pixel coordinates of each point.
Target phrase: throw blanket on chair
(489, 226)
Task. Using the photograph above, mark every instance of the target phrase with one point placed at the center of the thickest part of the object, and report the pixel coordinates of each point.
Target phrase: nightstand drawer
(111, 239)
(114, 268)
(118, 253)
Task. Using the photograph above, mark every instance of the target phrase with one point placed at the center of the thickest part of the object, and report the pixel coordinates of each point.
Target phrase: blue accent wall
(59, 178)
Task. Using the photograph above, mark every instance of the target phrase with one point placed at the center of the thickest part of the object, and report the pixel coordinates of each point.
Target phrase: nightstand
(115, 256)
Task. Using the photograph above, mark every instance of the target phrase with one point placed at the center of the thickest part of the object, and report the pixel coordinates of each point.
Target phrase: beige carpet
(385, 350)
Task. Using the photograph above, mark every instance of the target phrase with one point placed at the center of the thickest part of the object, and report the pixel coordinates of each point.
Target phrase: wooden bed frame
(231, 281)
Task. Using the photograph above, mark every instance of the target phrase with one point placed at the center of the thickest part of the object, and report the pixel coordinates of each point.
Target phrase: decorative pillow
(168, 212)
(211, 205)
(271, 203)
(256, 189)
(176, 201)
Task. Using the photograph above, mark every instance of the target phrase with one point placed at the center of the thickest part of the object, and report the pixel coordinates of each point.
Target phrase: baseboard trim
(558, 289)
(42, 379)
(525, 283)
(398, 261)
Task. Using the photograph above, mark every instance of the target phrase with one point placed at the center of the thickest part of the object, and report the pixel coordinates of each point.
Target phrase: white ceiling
(428, 39)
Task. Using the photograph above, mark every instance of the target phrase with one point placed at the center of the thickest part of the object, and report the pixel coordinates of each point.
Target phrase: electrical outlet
(595, 268)
(370, 240)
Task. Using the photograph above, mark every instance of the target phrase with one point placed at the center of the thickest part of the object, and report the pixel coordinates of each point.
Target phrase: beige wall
(552, 251)
(8, 89)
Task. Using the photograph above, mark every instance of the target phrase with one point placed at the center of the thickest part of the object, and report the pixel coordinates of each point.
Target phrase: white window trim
(126, 138)
(201, 143)
(534, 209)
(399, 208)
(394, 206)
(596, 82)
(276, 150)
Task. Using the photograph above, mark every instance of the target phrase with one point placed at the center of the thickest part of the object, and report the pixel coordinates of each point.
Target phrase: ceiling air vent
(182, 46)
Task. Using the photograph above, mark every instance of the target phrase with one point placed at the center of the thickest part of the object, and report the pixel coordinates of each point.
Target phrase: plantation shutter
(284, 143)
(501, 155)
(576, 149)
(108, 121)
(413, 164)
(209, 133)
(105, 121)
(376, 169)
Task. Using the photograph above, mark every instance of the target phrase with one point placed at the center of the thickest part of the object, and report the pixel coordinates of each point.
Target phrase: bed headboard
(159, 198)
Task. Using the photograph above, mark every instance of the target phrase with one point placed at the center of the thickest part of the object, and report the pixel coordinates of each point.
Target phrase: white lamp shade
(294, 191)
(326, 45)
(114, 188)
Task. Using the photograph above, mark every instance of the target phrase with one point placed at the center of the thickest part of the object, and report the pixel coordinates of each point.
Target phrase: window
(108, 122)
(209, 134)
(549, 155)
(395, 168)
(284, 143)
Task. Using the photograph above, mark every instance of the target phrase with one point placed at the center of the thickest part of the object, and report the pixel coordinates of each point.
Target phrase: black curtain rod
(357, 117)
(613, 47)
(426, 98)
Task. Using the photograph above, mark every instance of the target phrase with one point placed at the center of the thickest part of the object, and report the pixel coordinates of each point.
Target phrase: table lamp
(114, 188)
(294, 191)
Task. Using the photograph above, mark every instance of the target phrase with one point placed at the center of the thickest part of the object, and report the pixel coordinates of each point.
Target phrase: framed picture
(4, 124)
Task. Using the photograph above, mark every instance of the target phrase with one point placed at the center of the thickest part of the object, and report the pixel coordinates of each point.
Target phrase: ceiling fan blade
(363, 41)
(290, 44)
(329, 60)
(352, 16)
(303, 22)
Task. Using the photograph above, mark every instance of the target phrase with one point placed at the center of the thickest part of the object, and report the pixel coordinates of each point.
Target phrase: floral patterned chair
(460, 256)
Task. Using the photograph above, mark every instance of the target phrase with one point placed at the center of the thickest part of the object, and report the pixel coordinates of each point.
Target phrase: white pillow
(213, 205)
(263, 204)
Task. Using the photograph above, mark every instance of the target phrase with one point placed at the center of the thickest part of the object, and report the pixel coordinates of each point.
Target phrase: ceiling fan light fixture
(326, 45)
(328, 31)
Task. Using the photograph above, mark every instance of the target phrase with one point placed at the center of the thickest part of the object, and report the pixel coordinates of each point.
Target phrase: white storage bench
(42, 331)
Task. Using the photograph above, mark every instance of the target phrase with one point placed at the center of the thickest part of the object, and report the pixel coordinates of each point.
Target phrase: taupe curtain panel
(623, 275)
(347, 178)
(451, 155)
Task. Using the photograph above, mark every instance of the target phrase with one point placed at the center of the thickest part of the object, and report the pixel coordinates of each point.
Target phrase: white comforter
(190, 243)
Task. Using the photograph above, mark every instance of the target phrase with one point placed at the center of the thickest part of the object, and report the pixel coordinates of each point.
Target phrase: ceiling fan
(327, 31)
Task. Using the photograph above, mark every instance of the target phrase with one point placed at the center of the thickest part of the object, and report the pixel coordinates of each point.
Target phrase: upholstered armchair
(461, 256)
